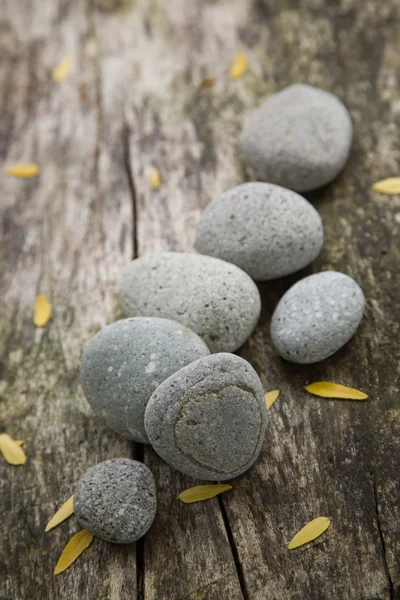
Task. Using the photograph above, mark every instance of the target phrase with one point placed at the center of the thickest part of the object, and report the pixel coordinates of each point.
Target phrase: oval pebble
(215, 299)
(299, 137)
(123, 364)
(208, 419)
(266, 230)
(116, 500)
(316, 317)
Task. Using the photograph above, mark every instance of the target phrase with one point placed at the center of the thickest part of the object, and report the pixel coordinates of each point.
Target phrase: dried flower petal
(203, 492)
(42, 313)
(154, 178)
(325, 389)
(310, 532)
(62, 70)
(23, 170)
(239, 66)
(66, 510)
(11, 451)
(208, 81)
(73, 549)
(271, 397)
(389, 186)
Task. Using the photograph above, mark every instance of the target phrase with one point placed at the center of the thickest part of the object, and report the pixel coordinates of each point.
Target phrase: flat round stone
(299, 138)
(266, 230)
(208, 420)
(123, 364)
(316, 317)
(116, 500)
(215, 299)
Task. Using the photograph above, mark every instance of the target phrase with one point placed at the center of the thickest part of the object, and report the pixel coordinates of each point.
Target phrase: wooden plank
(65, 234)
(322, 457)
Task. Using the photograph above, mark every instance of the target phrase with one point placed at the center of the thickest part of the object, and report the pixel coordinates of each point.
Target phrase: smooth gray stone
(215, 299)
(208, 420)
(316, 317)
(299, 138)
(116, 500)
(123, 364)
(266, 230)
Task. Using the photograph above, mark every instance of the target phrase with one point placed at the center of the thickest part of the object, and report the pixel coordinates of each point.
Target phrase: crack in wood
(383, 545)
(131, 185)
(234, 550)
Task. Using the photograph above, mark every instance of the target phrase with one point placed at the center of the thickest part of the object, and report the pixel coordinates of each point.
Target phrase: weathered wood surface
(133, 101)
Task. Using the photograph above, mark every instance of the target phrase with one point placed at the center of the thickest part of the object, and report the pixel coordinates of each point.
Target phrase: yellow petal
(389, 186)
(203, 492)
(154, 178)
(239, 66)
(62, 70)
(73, 549)
(19, 442)
(23, 170)
(271, 397)
(63, 513)
(208, 81)
(335, 390)
(11, 451)
(42, 313)
(310, 532)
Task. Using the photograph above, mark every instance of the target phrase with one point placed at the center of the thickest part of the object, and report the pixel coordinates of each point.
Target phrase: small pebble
(316, 317)
(208, 419)
(116, 500)
(266, 230)
(123, 364)
(299, 138)
(215, 299)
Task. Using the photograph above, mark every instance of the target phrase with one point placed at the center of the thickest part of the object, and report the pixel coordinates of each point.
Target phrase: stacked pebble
(151, 377)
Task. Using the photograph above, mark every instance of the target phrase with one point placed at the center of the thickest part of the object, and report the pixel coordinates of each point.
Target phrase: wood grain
(56, 239)
(135, 101)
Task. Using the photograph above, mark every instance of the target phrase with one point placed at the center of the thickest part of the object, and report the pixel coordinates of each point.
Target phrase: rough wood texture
(133, 101)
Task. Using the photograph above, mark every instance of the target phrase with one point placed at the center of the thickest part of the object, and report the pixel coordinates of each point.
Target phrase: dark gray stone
(123, 364)
(266, 230)
(116, 500)
(299, 138)
(316, 317)
(215, 299)
(208, 420)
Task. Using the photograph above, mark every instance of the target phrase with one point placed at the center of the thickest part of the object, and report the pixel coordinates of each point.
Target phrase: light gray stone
(299, 138)
(215, 299)
(116, 500)
(316, 317)
(123, 364)
(266, 230)
(208, 419)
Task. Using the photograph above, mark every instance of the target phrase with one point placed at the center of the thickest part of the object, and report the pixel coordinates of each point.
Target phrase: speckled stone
(316, 317)
(208, 419)
(116, 500)
(215, 299)
(123, 364)
(266, 230)
(299, 138)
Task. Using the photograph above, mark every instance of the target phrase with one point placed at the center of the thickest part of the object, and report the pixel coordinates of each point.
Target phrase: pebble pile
(165, 374)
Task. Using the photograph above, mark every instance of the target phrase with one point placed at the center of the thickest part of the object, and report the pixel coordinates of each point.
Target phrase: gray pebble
(316, 317)
(116, 500)
(266, 230)
(208, 420)
(299, 138)
(214, 298)
(123, 364)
